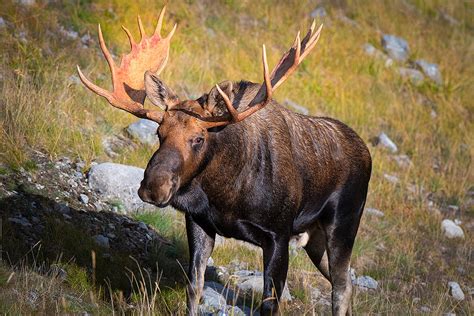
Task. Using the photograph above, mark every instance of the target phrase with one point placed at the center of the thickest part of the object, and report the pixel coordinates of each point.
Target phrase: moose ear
(159, 93)
(215, 103)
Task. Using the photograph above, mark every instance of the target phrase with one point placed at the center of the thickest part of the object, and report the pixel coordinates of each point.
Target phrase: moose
(240, 165)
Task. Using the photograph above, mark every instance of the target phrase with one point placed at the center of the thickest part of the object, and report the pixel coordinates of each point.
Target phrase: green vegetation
(42, 109)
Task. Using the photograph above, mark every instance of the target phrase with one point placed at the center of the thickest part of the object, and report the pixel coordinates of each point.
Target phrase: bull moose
(240, 165)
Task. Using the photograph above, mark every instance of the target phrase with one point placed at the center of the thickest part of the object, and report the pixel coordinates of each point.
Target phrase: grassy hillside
(43, 108)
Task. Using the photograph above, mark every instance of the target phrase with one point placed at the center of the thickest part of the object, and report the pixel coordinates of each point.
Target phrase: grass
(41, 109)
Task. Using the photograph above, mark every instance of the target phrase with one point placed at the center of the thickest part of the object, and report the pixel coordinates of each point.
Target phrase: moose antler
(150, 54)
(287, 65)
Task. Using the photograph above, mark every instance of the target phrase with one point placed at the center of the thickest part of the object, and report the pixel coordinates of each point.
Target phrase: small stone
(102, 241)
(386, 142)
(396, 47)
(391, 178)
(86, 39)
(74, 80)
(451, 230)
(366, 282)
(84, 198)
(374, 212)
(70, 34)
(430, 70)
(403, 161)
(295, 106)
(27, 3)
(425, 309)
(210, 262)
(453, 208)
(415, 76)
(3, 24)
(456, 291)
(319, 12)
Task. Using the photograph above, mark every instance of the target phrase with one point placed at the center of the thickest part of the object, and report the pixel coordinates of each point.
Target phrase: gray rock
(73, 79)
(86, 40)
(145, 131)
(319, 12)
(118, 182)
(396, 47)
(393, 179)
(295, 106)
(27, 3)
(3, 24)
(430, 70)
(402, 161)
(102, 241)
(371, 50)
(451, 230)
(218, 300)
(366, 282)
(425, 309)
(20, 221)
(70, 34)
(386, 142)
(456, 291)
(212, 298)
(252, 282)
(415, 76)
(84, 198)
(374, 212)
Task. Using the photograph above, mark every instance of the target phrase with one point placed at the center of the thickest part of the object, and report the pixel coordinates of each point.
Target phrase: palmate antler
(150, 54)
(287, 65)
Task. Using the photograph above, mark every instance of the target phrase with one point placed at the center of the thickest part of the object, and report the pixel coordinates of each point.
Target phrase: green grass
(41, 110)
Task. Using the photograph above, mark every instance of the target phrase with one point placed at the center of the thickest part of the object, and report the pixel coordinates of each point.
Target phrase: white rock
(252, 282)
(456, 291)
(391, 178)
(145, 131)
(415, 76)
(118, 182)
(430, 70)
(375, 212)
(84, 198)
(366, 282)
(396, 47)
(451, 230)
(386, 142)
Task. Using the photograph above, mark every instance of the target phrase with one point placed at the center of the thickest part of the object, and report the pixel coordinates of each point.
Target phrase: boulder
(252, 282)
(144, 131)
(451, 230)
(396, 47)
(430, 70)
(118, 182)
(366, 282)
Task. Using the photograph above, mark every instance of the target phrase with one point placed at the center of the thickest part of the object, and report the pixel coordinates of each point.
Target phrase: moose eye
(198, 141)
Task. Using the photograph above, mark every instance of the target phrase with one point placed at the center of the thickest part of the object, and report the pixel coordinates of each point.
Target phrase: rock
(219, 300)
(295, 106)
(430, 70)
(403, 161)
(370, 50)
(211, 298)
(391, 178)
(73, 80)
(451, 230)
(86, 40)
(252, 282)
(425, 309)
(69, 34)
(319, 12)
(84, 198)
(317, 297)
(415, 76)
(456, 291)
(386, 142)
(27, 3)
(366, 282)
(210, 262)
(396, 47)
(143, 226)
(3, 24)
(102, 241)
(145, 131)
(118, 182)
(374, 212)
(20, 221)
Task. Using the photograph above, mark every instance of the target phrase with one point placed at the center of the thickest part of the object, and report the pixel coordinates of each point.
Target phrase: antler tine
(233, 112)
(171, 33)
(107, 56)
(140, 27)
(130, 37)
(159, 24)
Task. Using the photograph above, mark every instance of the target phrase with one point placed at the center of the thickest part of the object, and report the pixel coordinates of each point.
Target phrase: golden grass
(215, 41)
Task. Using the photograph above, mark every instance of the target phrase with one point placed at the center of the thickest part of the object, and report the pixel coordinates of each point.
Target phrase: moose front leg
(201, 243)
(275, 261)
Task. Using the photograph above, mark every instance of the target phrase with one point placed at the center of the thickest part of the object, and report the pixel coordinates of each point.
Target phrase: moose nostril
(144, 194)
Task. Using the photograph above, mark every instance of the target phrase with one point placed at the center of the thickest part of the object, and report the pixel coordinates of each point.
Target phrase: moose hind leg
(340, 235)
(316, 250)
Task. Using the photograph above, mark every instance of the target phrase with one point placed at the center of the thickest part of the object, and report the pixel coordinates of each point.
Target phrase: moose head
(186, 127)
